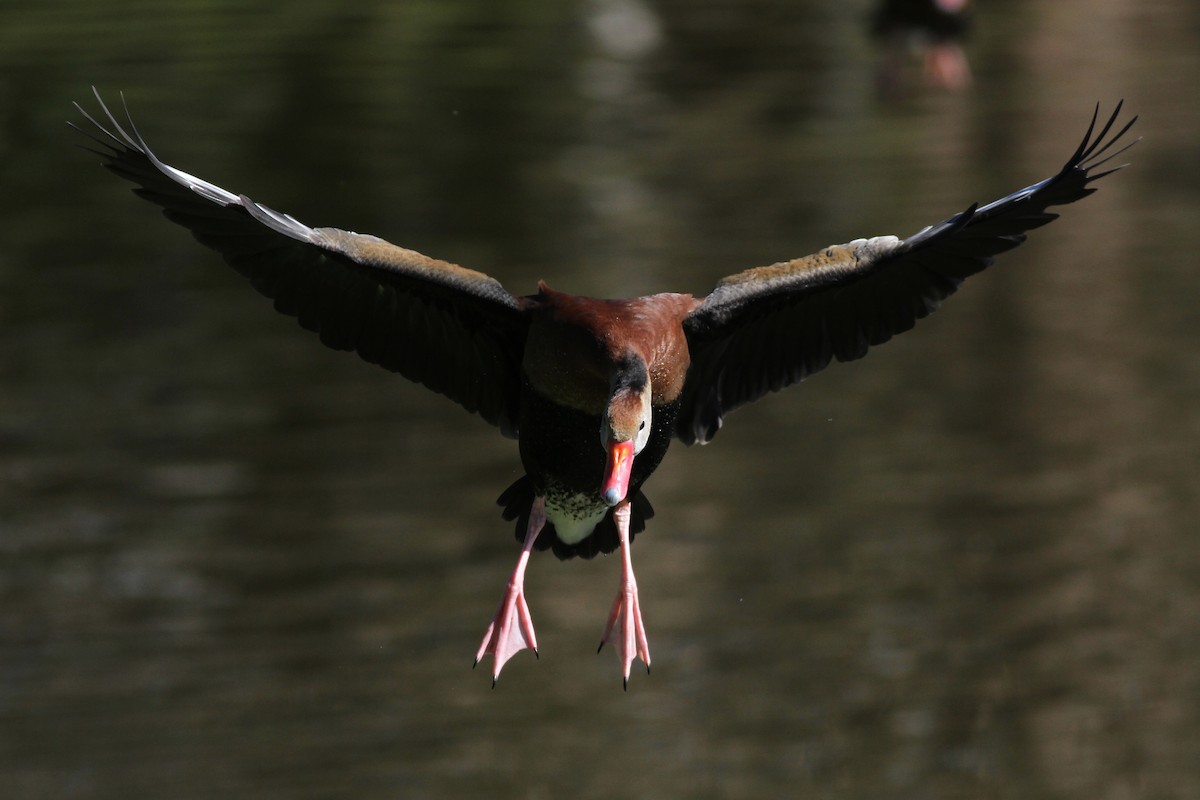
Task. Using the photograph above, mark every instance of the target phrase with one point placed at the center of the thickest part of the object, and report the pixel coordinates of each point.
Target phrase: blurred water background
(235, 564)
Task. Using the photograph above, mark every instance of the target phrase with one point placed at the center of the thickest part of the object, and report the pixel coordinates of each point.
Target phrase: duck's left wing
(769, 327)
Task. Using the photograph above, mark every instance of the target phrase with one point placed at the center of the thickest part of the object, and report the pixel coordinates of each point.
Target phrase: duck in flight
(594, 390)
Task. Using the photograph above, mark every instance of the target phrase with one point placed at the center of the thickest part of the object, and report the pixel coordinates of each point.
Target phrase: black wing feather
(769, 327)
(457, 331)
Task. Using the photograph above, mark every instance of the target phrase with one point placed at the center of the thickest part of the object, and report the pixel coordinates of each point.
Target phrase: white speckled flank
(574, 516)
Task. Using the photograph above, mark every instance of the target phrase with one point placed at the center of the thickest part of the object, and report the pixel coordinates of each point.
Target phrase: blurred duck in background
(932, 30)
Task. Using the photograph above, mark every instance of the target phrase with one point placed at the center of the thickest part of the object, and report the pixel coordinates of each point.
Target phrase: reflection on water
(232, 562)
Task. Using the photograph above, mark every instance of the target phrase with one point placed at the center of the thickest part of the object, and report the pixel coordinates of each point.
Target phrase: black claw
(475, 664)
(647, 669)
(601, 647)
(494, 681)
(625, 684)
(536, 654)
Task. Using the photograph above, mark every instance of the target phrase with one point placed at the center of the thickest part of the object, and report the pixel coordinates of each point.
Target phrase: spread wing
(457, 331)
(769, 327)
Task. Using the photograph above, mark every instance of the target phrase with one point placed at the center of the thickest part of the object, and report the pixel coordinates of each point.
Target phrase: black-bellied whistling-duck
(594, 390)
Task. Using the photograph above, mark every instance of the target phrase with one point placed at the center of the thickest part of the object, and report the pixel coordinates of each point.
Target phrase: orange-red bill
(616, 472)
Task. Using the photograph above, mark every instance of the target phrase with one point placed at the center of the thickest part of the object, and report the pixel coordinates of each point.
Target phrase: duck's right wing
(452, 329)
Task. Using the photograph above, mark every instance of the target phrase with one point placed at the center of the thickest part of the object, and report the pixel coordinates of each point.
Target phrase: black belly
(564, 462)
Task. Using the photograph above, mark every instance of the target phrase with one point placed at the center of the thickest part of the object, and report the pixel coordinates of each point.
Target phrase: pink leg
(511, 629)
(624, 626)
